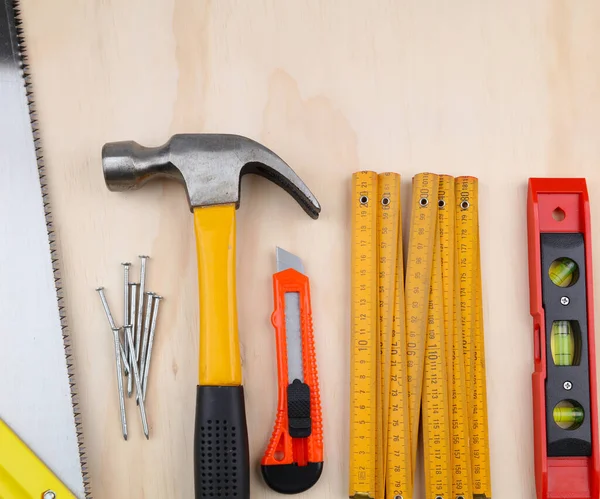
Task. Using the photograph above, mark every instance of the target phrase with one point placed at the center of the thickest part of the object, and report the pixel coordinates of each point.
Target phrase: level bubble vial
(563, 272)
(565, 343)
(568, 414)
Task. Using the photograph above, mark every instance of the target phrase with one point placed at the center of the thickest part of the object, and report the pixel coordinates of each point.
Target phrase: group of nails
(134, 340)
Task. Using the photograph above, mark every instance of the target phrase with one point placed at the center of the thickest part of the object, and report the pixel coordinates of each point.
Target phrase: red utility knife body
(293, 461)
(565, 408)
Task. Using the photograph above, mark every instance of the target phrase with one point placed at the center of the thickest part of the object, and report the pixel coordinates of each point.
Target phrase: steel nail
(156, 300)
(138, 383)
(111, 322)
(140, 308)
(147, 319)
(131, 322)
(109, 316)
(118, 353)
(124, 358)
(126, 267)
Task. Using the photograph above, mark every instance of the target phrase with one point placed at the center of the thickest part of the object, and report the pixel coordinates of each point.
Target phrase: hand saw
(37, 398)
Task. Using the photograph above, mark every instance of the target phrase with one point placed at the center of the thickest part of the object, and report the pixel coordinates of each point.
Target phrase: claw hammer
(210, 166)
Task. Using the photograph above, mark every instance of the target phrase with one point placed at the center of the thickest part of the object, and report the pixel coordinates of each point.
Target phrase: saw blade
(37, 395)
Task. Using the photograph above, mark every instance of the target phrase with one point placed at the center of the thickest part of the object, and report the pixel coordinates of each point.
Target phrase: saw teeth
(67, 341)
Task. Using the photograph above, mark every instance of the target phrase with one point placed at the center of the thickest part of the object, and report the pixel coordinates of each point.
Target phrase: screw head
(49, 494)
(564, 300)
(567, 385)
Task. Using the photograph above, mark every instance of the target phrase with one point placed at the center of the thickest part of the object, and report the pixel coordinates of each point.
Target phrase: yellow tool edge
(423, 227)
(435, 400)
(22, 474)
(399, 478)
(363, 411)
(474, 355)
(388, 199)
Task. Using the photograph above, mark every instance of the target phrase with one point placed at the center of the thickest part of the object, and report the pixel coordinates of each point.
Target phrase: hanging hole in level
(465, 205)
(278, 455)
(423, 202)
(364, 199)
(460, 497)
(398, 497)
(558, 214)
(441, 203)
(385, 201)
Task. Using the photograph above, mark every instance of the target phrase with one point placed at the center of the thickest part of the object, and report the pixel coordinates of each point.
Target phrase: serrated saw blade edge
(44, 427)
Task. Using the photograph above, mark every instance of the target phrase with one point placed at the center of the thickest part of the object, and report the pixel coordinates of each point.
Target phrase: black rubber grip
(221, 459)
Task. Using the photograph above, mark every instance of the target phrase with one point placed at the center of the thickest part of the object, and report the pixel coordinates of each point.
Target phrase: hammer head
(210, 166)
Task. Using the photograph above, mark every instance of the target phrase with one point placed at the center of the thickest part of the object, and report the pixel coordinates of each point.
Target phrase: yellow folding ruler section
(398, 478)
(422, 233)
(388, 214)
(364, 337)
(460, 461)
(22, 474)
(435, 400)
(471, 321)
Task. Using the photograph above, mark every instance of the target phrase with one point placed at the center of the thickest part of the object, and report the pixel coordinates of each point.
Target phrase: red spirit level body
(565, 408)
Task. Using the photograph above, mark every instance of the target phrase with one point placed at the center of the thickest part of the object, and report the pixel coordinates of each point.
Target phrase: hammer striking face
(210, 167)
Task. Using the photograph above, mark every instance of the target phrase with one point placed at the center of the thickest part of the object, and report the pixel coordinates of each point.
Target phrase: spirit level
(564, 381)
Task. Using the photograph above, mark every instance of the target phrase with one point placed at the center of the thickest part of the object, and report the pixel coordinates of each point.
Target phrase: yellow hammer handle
(219, 356)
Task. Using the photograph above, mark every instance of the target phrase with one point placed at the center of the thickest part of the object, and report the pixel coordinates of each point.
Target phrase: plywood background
(502, 90)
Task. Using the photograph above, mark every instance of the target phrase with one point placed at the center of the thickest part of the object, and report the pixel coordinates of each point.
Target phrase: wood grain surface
(502, 90)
